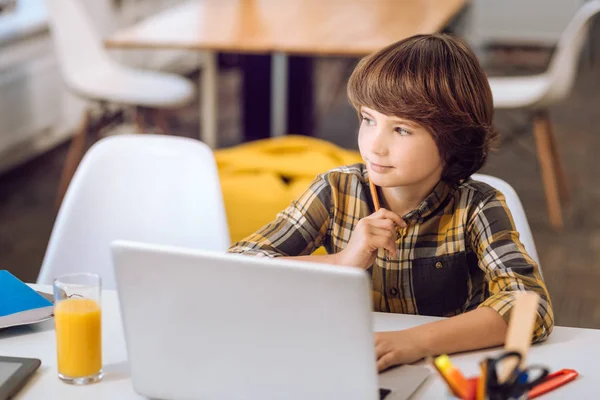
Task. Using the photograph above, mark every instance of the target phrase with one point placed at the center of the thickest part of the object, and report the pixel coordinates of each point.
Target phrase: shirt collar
(430, 204)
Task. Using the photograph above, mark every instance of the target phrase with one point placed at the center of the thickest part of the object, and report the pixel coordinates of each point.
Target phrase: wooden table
(566, 348)
(290, 27)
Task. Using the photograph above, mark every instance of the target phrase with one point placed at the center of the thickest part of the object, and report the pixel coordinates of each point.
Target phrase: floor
(570, 259)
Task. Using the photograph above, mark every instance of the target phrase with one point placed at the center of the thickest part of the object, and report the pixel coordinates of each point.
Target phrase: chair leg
(564, 188)
(140, 120)
(74, 155)
(549, 164)
(209, 100)
(161, 120)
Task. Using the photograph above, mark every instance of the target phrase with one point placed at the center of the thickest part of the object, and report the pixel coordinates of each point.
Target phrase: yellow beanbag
(261, 178)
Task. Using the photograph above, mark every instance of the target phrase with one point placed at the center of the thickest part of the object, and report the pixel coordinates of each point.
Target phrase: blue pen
(522, 378)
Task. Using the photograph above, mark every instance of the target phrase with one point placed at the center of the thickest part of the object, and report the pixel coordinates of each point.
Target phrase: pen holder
(471, 393)
(518, 383)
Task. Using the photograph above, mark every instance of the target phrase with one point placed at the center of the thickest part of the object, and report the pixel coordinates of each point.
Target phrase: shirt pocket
(440, 284)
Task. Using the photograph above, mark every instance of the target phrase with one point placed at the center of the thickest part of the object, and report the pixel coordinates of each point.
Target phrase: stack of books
(20, 304)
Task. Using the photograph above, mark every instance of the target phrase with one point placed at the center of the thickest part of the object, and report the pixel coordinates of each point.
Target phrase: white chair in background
(148, 188)
(538, 92)
(91, 74)
(516, 209)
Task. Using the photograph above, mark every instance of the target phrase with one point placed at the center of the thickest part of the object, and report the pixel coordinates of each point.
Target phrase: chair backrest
(518, 212)
(77, 43)
(563, 67)
(147, 188)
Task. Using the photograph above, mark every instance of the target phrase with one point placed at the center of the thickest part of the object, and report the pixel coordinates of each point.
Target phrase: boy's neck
(404, 199)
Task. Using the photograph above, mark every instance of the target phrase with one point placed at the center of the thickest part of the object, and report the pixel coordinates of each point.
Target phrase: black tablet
(14, 372)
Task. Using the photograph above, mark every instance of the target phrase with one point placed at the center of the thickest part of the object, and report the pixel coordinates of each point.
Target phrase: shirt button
(439, 265)
(393, 291)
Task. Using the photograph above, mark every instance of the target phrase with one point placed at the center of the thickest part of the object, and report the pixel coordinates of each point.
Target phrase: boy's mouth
(379, 167)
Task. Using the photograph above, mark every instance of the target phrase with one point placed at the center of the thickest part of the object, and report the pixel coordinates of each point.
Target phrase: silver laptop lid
(208, 325)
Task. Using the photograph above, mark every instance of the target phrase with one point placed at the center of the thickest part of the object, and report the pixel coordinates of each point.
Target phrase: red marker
(552, 381)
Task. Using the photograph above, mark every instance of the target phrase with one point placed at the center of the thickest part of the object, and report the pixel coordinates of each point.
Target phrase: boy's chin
(392, 181)
(384, 181)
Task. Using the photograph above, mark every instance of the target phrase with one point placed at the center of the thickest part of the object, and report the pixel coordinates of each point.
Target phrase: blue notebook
(20, 304)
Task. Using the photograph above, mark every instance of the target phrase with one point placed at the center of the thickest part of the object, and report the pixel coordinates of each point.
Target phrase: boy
(441, 244)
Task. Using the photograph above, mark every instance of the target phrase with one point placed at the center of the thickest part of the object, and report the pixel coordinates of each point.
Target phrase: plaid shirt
(459, 251)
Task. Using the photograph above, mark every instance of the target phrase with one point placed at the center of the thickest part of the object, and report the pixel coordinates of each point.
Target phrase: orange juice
(78, 337)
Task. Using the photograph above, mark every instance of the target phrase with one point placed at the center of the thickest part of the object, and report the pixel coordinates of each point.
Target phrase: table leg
(279, 94)
(300, 96)
(208, 100)
(268, 84)
(256, 96)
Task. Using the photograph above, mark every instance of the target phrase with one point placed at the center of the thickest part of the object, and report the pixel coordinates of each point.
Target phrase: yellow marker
(456, 381)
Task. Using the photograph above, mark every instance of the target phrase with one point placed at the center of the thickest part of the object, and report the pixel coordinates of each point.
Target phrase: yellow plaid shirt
(459, 251)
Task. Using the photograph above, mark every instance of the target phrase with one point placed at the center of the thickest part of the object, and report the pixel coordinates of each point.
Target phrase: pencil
(374, 195)
(377, 205)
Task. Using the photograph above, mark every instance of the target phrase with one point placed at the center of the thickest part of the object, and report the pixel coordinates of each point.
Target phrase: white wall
(31, 93)
(36, 111)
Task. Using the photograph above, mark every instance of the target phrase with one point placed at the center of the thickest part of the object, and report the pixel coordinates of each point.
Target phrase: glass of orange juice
(78, 322)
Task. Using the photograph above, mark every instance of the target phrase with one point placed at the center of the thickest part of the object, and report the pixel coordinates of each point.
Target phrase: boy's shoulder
(348, 174)
(476, 190)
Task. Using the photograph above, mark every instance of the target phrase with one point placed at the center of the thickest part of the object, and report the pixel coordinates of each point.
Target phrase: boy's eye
(368, 121)
(402, 131)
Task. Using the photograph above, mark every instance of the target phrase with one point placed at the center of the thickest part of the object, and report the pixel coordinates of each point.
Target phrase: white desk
(567, 348)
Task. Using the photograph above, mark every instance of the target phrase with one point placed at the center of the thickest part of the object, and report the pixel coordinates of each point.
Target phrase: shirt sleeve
(507, 266)
(298, 230)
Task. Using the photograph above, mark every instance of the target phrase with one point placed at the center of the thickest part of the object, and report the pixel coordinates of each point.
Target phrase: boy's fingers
(383, 213)
(383, 242)
(380, 350)
(385, 232)
(383, 223)
(391, 247)
(385, 361)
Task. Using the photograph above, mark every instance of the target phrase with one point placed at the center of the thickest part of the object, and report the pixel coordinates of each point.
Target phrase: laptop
(206, 325)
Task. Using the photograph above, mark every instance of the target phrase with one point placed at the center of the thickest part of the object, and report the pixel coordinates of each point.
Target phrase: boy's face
(397, 152)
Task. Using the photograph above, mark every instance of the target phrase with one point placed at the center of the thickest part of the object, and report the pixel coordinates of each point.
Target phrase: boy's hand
(395, 348)
(377, 231)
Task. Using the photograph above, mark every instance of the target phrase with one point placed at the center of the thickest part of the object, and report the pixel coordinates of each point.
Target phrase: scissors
(519, 381)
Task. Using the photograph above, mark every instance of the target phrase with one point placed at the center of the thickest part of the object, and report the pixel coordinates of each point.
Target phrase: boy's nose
(379, 151)
(378, 146)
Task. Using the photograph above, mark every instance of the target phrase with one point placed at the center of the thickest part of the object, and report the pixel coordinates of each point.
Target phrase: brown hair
(436, 81)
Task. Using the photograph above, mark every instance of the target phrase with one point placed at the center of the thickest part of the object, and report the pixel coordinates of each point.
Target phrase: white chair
(538, 92)
(148, 188)
(91, 74)
(516, 209)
